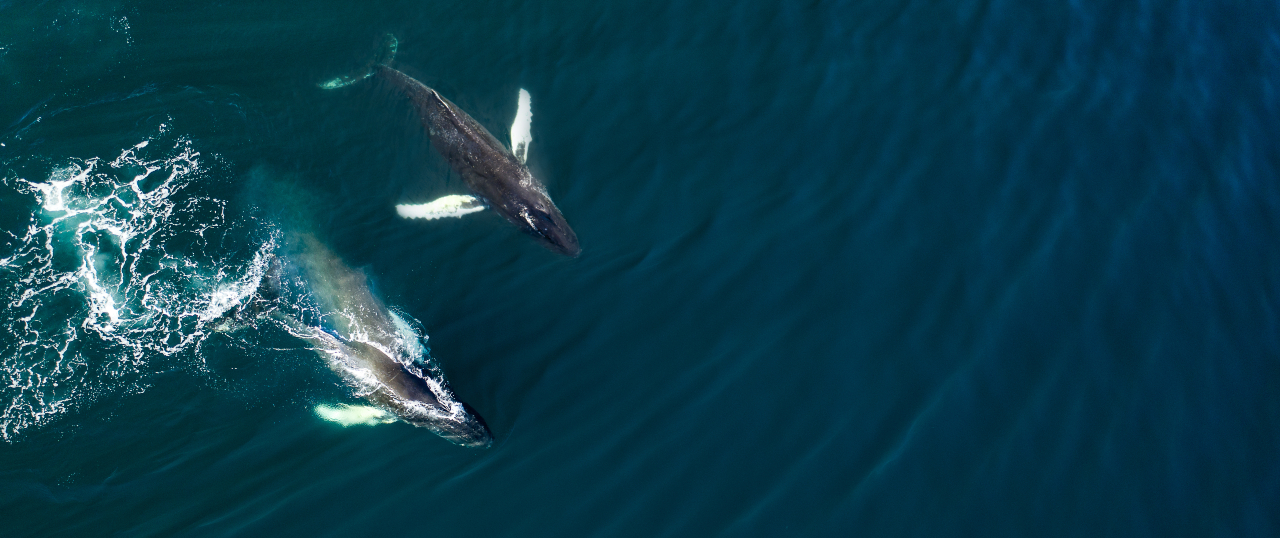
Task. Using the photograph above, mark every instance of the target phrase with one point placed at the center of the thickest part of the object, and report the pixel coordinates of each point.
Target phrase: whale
(496, 175)
(374, 350)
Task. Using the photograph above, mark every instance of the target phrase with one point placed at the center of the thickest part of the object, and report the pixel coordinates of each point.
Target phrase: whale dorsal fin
(520, 134)
(453, 205)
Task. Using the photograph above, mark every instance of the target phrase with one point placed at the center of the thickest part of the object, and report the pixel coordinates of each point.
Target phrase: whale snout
(551, 228)
(469, 430)
(465, 428)
(566, 244)
(478, 434)
(477, 443)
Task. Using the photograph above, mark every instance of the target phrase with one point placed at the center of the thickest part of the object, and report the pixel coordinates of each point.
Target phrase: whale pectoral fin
(453, 205)
(354, 415)
(520, 134)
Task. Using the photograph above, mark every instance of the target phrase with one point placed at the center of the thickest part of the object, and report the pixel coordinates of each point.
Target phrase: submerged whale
(375, 352)
(496, 175)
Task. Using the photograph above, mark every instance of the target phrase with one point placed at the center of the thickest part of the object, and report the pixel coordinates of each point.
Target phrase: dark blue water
(849, 268)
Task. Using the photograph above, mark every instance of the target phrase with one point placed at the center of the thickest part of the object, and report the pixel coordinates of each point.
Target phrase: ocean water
(886, 268)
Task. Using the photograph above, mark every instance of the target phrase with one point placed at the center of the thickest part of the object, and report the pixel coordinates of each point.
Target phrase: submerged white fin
(354, 415)
(520, 134)
(453, 205)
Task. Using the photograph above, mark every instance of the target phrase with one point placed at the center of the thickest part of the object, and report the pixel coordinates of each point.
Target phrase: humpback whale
(375, 351)
(496, 175)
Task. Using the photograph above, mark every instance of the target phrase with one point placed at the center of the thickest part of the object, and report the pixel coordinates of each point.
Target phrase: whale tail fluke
(386, 53)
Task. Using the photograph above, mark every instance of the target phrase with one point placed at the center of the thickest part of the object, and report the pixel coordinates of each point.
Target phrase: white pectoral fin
(453, 205)
(354, 415)
(345, 80)
(520, 134)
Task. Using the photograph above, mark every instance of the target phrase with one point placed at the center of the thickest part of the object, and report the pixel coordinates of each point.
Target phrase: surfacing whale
(496, 175)
(375, 351)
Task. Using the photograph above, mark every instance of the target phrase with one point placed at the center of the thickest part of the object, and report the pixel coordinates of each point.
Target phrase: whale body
(492, 171)
(375, 351)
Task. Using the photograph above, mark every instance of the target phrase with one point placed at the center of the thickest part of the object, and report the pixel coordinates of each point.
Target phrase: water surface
(849, 268)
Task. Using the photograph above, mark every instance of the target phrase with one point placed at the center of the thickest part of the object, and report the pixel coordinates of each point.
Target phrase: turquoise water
(849, 269)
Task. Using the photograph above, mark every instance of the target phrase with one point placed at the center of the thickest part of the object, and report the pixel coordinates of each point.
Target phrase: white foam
(117, 268)
(521, 135)
(354, 415)
(231, 293)
(453, 205)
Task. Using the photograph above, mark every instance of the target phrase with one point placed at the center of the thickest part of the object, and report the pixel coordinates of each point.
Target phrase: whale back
(487, 166)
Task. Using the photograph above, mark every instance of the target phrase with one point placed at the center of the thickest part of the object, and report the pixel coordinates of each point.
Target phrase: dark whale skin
(487, 166)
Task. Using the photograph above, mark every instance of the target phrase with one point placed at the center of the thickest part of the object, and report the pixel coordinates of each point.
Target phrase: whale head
(417, 396)
(463, 426)
(550, 227)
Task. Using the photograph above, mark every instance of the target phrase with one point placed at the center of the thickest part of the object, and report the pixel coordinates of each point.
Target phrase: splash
(115, 277)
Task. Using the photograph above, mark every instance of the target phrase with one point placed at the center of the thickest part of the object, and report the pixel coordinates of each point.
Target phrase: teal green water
(849, 269)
